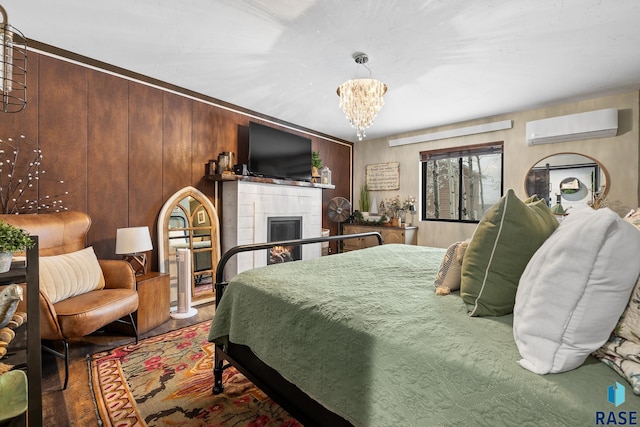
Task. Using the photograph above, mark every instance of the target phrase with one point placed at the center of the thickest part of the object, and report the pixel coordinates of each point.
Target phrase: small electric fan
(339, 210)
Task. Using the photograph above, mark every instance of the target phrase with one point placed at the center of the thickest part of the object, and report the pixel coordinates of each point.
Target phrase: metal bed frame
(289, 396)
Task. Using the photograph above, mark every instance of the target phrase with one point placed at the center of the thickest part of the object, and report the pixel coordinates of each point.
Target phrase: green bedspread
(364, 334)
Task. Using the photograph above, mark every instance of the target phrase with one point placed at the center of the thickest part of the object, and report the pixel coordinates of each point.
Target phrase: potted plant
(316, 164)
(12, 239)
(364, 199)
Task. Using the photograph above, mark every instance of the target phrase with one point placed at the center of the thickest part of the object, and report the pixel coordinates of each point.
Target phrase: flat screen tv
(277, 154)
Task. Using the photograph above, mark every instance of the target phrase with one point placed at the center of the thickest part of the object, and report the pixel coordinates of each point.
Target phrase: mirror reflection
(188, 220)
(571, 179)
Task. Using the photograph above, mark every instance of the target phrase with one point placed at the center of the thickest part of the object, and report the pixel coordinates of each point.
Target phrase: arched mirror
(571, 179)
(189, 220)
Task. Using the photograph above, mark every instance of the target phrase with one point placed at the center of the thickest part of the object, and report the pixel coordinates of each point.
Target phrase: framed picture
(383, 176)
(201, 217)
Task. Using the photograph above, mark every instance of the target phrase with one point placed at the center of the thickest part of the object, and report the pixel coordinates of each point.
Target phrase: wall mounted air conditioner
(592, 124)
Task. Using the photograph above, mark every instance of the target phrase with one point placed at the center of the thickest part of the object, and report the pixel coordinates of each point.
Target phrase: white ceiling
(444, 61)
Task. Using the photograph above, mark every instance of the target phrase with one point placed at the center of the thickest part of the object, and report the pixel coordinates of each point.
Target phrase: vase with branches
(397, 207)
(20, 175)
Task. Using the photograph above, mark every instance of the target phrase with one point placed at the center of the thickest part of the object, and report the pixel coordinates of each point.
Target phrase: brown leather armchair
(80, 315)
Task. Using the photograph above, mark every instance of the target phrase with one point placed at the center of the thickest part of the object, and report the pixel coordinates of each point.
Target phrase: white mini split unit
(592, 124)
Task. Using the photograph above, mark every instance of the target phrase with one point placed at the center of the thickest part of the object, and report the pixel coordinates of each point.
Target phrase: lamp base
(138, 263)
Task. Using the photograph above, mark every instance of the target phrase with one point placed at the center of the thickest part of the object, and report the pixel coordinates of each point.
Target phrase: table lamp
(132, 242)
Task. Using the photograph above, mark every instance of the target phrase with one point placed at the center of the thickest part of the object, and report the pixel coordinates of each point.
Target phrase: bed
(361, 338)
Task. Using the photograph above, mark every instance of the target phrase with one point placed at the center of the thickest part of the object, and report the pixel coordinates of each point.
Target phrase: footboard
(292, 399)
(220, 284)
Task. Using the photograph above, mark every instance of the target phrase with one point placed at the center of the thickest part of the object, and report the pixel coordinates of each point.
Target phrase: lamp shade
(132, 240)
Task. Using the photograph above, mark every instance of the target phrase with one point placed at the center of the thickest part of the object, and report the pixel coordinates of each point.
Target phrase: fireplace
(283, 228)
(248, 202)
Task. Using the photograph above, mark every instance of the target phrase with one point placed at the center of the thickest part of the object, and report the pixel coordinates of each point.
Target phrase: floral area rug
(167, 380)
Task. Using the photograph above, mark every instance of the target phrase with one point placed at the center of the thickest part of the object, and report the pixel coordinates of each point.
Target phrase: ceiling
(444, 61)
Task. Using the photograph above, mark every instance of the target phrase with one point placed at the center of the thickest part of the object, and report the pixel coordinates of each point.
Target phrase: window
(461, 184)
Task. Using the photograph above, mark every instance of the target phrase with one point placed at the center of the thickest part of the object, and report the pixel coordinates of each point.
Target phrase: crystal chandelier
(13, 66)
(361, 99)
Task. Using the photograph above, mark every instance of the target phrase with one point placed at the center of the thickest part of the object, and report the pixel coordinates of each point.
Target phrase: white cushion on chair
(68, 275)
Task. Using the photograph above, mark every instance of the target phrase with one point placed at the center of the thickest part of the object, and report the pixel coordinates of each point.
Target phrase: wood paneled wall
(123, 147)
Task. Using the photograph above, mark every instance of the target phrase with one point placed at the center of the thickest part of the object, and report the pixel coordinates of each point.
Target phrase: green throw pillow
(502, 244)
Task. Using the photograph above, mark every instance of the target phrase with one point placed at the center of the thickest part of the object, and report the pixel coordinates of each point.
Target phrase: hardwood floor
(74, 406)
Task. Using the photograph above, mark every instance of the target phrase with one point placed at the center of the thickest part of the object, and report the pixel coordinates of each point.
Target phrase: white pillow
(68, 275)
(574, 289)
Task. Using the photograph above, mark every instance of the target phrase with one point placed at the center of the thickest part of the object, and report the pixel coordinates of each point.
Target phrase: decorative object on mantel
(210, 168)
(226, 162)
(132, 242)
(325, 176)
(361, 99)
(13, 66)
(20, 176)
(12, 239)
(316, 164)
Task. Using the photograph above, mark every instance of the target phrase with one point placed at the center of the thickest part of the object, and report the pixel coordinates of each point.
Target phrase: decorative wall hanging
(383, 176)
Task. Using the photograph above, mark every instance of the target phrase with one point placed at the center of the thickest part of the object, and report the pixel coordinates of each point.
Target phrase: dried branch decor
(19, 179)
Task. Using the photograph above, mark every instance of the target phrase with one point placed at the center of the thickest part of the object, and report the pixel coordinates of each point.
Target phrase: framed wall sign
(383, 176)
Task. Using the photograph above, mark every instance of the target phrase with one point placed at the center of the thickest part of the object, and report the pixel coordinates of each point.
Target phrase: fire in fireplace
(279, 254)
(284, 228)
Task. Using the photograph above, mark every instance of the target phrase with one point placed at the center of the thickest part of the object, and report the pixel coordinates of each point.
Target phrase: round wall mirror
(572, 179)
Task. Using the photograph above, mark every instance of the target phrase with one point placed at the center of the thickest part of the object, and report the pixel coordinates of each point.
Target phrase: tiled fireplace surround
(246, 207)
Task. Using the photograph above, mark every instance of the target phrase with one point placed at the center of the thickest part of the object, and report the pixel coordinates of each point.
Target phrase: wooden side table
(153, 307)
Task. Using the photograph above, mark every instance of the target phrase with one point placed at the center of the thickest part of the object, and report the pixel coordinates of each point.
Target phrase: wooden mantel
(265, 180)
